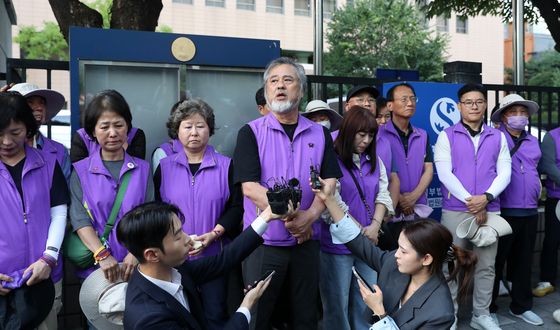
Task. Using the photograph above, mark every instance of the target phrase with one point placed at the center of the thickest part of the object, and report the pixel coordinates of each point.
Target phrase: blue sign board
(436, 110)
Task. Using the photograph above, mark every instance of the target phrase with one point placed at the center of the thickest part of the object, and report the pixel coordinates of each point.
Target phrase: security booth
(436, 110)
(154, 70)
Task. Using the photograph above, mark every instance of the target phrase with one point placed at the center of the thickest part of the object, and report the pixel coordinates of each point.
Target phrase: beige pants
(51, 322)
(484, 272)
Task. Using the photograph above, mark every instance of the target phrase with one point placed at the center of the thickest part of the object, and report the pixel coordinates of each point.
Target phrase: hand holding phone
(360, 278)
(266, 276)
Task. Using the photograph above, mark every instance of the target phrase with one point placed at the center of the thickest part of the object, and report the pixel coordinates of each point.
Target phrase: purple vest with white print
(92, 145)
(411, 165)
(369, 182)
(524, 189)
(201, 196)
(475, 171)
(100, 190)
(553, 189)
(280, 159)
(25, 228)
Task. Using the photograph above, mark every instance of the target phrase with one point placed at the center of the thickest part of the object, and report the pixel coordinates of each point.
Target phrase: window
(215, 3)
(442, 24)
(462, 24)
(188, 2)
(275, 6)
(329, 6)
(302, 7)
(246, 4)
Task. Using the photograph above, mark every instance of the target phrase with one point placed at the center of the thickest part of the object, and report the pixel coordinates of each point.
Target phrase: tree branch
(140, 15)
(550, 12)
(74, 13)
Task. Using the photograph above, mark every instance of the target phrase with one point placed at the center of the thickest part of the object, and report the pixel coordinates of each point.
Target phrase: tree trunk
(140, 15)
(550, 12)
(74, 13)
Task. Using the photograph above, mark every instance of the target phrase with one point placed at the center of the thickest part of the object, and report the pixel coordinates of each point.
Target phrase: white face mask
(326, 123)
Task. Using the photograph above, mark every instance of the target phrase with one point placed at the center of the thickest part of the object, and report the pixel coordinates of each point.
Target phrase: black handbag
(385, 240)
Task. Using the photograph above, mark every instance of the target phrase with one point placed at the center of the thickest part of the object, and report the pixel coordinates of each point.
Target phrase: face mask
(325, 123)
(517, 122)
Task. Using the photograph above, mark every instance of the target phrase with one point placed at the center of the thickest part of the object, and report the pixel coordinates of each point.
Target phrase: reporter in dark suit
(162, 297)
(411, 291)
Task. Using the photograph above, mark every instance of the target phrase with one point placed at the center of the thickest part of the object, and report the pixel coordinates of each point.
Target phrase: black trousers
(549, 254)
(517, 250)
(298, 266)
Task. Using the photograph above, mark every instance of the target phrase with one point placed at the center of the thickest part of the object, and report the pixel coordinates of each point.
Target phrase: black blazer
(150, 307)
(431, 307)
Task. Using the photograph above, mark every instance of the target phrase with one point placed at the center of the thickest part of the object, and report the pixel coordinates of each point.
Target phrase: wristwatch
(489, 197)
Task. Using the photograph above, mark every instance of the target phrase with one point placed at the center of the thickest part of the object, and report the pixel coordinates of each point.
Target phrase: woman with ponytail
(411, 290)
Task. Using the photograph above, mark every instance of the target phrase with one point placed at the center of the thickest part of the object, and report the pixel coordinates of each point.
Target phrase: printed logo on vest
(444, 114)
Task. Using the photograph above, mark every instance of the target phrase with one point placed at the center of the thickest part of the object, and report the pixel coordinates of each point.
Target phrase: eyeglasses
(362, 100)
(471, 103)
(405, 99)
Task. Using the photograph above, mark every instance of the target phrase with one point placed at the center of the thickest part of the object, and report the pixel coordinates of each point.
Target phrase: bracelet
(98, 251)
(375, 220)
(102, 255)
(49, 260)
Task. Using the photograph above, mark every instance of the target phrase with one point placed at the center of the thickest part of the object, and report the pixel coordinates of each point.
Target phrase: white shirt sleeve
(383, 196)
(259, 226)
(245, 311)
(386, 323)
(344, 231)
(442, 159)
(503, 169)
(158, 155)
(56, 230)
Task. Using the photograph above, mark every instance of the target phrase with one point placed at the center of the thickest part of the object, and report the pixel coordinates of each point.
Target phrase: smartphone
(361, 279)
(267, 275)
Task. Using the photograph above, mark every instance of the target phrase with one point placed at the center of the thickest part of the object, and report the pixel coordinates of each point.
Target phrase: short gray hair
(186, 109)
(302, 78)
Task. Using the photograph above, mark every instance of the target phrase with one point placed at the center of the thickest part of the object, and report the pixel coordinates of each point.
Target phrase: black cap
(362, 88)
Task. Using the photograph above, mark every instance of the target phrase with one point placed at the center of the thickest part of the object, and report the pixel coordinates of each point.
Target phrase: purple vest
(410, 166)
(171, 147)
(475, 172)
(369, 182)
(282, 158)
(553, 190)
(21, 243)
(100, 190)
(382, 150)
(202, 196)
(524, 189)
(92, 145)
(55, 148)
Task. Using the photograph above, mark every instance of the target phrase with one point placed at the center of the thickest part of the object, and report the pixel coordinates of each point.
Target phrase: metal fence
(329, 88)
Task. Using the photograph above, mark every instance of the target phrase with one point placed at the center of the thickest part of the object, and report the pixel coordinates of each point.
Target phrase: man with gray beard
(280, 146)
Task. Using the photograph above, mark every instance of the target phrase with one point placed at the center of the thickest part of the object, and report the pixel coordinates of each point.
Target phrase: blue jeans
(343, 306)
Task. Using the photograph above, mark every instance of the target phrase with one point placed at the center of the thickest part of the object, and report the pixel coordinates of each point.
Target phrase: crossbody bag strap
(116, 206)
(362, 196)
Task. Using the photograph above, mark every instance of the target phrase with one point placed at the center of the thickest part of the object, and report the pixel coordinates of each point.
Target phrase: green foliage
(164, 28)
(48, 43)
(104, 8)
(477, 7)
(543, 70)
(45, 44)
(372, 34)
